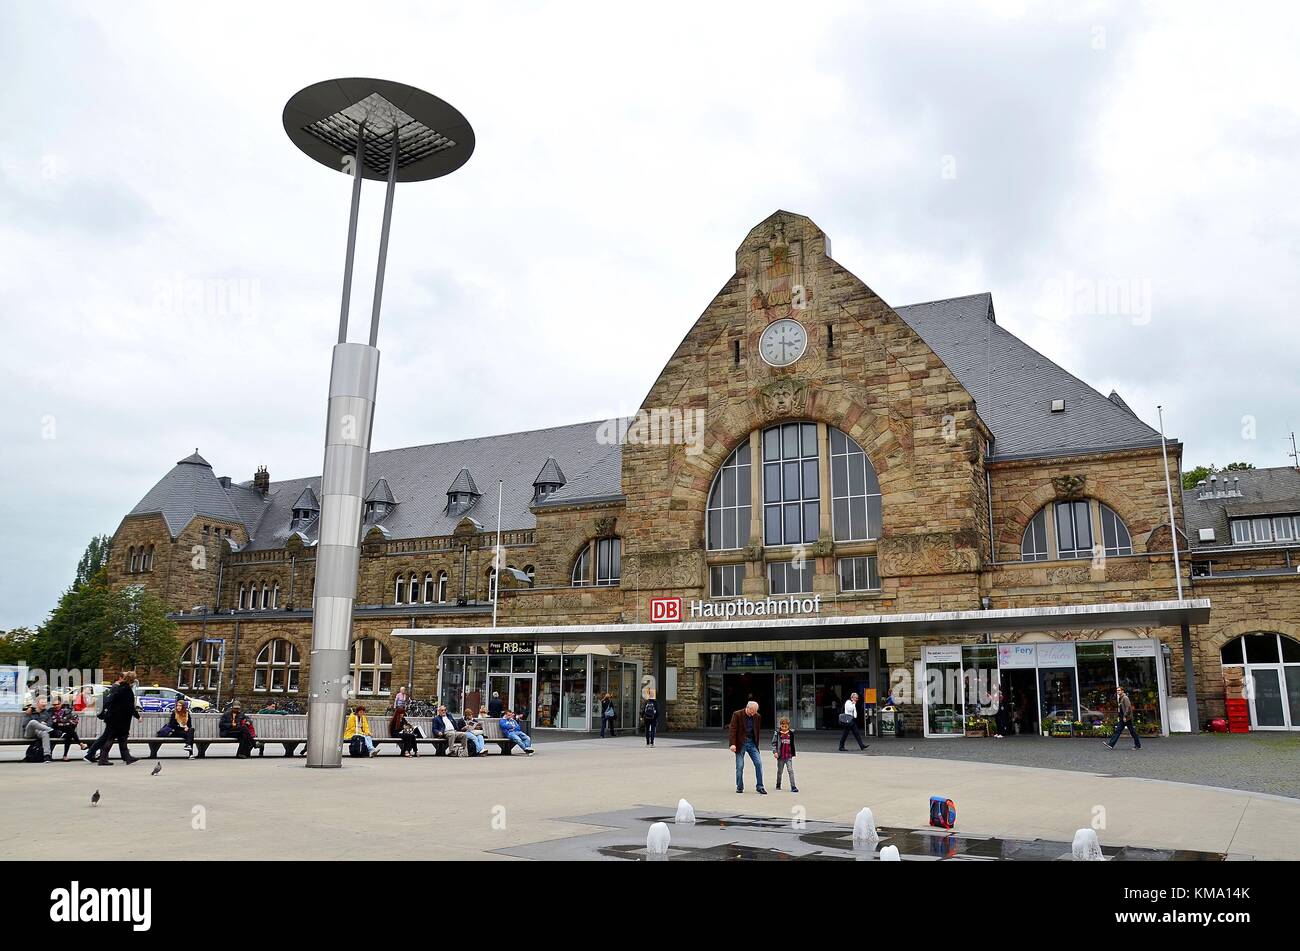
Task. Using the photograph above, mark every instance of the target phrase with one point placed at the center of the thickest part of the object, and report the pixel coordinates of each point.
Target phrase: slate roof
(380, 492)
(551, 473)
(1014, 385)
(307, 500)
(417, 478)
(464, 482)
(1263, 492)
(190, 489)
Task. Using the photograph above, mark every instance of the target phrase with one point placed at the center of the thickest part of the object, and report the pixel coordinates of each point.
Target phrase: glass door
(521, 698)
(498, 694)
(1267, 708)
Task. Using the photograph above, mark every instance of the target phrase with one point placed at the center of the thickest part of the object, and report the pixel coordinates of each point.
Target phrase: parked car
(155, 699)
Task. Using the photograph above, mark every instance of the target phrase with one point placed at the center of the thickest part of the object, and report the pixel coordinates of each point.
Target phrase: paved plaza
(589, 797)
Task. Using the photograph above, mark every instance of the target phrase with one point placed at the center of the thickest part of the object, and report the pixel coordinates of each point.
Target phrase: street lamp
(391, 132)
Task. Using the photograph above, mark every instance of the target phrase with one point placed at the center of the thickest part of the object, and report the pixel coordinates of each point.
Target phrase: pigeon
(94, 800)
(156, 770)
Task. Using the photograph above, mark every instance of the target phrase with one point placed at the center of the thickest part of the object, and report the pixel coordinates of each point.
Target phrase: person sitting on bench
(405, 732)
(511, 729)
(358, 727)
(445, 725)
(38, 725)
(180, 725)
(234, 725)
(65, 722)
(473, 731)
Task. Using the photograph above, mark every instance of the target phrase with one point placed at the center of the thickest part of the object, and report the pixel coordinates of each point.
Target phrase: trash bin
(888, 721)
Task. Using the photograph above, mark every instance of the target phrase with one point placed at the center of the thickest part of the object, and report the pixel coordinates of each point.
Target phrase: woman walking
(607, 715)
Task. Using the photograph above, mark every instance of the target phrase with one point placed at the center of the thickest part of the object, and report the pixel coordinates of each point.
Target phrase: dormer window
(549, 481)
(462, 495)
(305, 509)
(379, 502)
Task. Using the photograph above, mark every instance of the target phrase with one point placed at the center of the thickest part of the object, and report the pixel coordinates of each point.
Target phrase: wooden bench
(287, 730)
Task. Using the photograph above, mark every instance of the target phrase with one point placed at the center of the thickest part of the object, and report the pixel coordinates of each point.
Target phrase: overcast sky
(1035, 151)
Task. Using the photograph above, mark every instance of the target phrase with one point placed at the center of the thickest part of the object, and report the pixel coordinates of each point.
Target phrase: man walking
(1125, 719)
(744, 735)
(850, 720)
(119, 710)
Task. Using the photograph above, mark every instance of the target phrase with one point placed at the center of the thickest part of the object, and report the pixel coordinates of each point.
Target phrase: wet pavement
(722, 837)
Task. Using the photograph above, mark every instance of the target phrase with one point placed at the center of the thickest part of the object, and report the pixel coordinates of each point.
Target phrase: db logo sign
(666, 610)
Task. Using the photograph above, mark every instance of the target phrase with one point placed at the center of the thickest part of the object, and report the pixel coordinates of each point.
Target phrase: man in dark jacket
(495, 707)
(744, 734)
(119, 710)
(1124, 719)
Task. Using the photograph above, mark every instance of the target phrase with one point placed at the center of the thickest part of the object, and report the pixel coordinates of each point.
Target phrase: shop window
(1097, 701)
(729, 507)
(791, 485)
(372, 668)
(859, 574)
(790, 577)
(855, 491)
(726, 581)
(277, 668)
(574, 701)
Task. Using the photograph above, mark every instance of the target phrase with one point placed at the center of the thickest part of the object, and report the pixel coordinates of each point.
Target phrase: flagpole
(496, 558)
(1169, 492)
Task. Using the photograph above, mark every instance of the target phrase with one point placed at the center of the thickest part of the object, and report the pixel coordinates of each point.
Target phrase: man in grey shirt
(37, 723)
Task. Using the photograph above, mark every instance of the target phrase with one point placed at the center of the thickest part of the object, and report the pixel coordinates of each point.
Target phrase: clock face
(783, 342)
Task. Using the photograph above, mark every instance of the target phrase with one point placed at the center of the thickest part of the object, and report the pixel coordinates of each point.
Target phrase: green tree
(95, 557)
(74, 633)
(138, 633)
(16, 645)
(1193, 476)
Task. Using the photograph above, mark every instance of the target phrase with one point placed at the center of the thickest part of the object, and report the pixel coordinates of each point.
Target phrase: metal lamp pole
(386, 131)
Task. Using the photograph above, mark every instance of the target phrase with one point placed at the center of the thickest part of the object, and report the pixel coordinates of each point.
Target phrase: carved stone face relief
(784, 397)
(1069, 486)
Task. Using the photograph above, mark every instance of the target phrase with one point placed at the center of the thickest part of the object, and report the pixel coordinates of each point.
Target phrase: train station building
(821, 493)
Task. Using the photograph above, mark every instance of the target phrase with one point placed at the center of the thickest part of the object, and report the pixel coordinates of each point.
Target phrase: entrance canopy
(1001, 621)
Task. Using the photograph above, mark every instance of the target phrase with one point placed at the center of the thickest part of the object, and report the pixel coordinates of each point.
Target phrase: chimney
(262, 480)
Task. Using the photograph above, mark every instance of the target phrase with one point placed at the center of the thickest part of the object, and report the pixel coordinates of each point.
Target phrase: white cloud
(623, 153)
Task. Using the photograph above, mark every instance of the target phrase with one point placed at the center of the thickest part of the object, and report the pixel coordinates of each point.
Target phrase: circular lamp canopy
(325, 119)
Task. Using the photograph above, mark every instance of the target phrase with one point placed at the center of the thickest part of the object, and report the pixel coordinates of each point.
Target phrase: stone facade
(953, 517)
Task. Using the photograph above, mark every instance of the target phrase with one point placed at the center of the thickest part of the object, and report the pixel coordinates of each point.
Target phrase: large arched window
(600, 563)
(1068, 529)
(200, 666)
(277, 668)
(372, 668)
(791, 485)
(855, 491)
(729, 509)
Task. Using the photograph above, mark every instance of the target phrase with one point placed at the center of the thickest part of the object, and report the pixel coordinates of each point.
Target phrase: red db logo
(665, 610)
